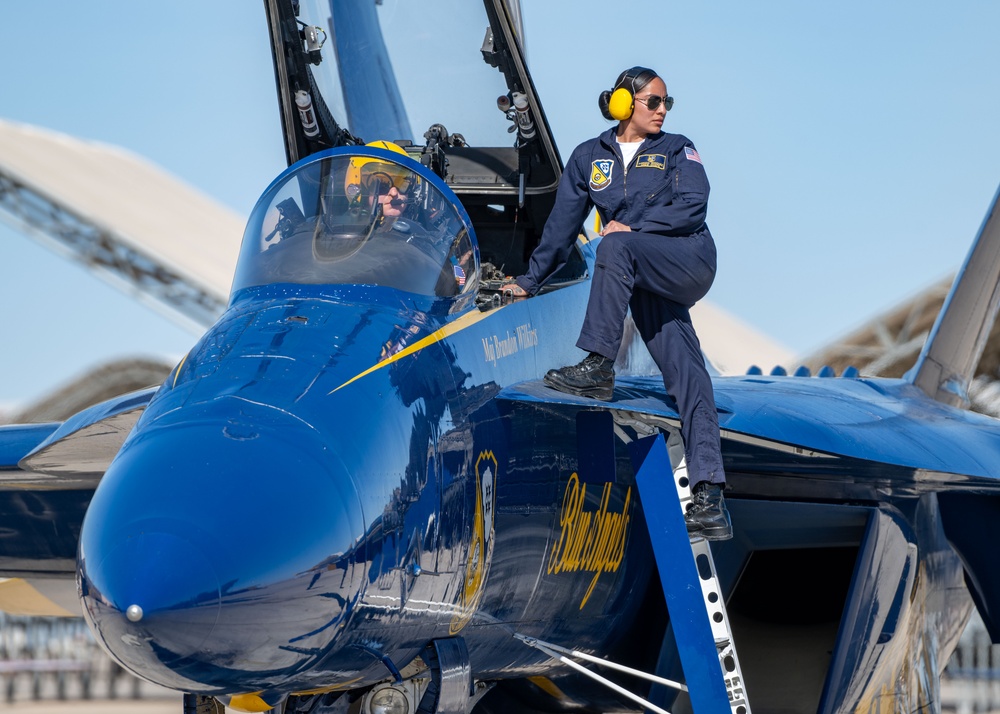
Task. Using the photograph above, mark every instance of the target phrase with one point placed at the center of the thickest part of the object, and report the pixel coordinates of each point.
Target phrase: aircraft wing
(864, 422)
(73, 454)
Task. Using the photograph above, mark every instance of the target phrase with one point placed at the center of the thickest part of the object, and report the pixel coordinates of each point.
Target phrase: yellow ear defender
(620, 104)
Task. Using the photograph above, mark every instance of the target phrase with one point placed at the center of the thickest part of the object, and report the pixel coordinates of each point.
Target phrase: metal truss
(106, 254)
(889, 344)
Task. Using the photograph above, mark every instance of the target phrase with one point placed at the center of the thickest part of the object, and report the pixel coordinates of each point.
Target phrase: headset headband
(632, 76)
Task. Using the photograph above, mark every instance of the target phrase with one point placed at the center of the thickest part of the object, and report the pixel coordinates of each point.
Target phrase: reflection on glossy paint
(589, 541)
(904, 681)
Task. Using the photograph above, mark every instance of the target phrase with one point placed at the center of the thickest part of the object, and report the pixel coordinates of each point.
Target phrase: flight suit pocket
(651, 197)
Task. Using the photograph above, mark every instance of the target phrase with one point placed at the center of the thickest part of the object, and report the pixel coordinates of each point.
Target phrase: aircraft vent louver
(779, 371)
(754, 369)
(802, 371)
(850, 372)
(826, 371)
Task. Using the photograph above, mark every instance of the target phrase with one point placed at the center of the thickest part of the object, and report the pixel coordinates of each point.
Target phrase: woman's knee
(614, 249)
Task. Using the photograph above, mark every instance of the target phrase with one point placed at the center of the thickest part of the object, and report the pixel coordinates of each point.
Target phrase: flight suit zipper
(616, 151)
(621, 157)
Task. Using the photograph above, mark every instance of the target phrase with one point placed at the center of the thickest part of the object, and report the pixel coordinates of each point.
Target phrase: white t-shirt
(628, 151)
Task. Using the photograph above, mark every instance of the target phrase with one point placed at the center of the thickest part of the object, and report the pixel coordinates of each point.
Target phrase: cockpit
(361, 216)
(351, 73)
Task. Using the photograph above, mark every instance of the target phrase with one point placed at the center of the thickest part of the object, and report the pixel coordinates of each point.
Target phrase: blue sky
(852, 147)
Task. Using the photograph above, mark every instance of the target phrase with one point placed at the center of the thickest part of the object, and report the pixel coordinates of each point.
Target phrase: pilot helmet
(373, 177)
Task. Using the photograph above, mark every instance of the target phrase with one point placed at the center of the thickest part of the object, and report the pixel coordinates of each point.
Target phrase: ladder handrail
(542, 645)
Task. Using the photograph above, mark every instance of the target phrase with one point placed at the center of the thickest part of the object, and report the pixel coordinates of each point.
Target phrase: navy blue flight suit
(659, 269)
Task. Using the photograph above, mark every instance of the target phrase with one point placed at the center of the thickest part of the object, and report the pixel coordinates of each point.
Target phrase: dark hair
(633, 79)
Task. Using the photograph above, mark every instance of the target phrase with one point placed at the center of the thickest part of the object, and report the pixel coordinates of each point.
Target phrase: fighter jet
(356, 494)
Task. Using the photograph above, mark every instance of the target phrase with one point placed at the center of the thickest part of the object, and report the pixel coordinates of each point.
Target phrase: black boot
(594, 377)
(707, 516)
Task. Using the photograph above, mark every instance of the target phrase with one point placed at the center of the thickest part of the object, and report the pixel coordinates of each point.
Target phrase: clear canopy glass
(427, 51)
(359, 219)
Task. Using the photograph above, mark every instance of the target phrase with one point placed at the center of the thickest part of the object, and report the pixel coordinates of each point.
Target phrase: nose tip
(154, 584)
(145, 569)
(221, 539)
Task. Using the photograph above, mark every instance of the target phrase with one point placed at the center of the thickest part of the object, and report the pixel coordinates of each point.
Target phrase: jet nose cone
(221, 545)
(154, 584)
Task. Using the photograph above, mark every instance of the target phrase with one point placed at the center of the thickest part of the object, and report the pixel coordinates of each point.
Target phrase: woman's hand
(615, 227)
(512, 291)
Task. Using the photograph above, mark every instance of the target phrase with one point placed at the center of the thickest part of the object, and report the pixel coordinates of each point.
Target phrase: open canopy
(448, 77)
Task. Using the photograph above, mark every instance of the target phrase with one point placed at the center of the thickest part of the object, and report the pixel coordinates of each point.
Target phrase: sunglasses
(653, 103)
(379, 182)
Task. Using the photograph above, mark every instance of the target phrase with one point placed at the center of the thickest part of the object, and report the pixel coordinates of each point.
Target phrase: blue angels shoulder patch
(651, 161)
(600, 174)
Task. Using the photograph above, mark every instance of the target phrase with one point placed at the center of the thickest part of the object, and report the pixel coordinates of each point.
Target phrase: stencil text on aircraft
(497, 347)
(590, 541)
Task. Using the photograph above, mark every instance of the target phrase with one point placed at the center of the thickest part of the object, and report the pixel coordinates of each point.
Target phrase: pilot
(394, 191)
(656, 256)
(381, 181)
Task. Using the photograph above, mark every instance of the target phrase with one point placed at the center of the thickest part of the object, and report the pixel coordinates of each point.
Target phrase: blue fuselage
(285, 519)
(342, 472)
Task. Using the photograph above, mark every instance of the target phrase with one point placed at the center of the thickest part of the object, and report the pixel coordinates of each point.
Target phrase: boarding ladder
(714, 681)
(697, 614)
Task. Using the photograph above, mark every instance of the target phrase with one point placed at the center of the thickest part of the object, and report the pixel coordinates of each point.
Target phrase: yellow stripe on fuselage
(180, 364)
(458, 325)
(461, 323)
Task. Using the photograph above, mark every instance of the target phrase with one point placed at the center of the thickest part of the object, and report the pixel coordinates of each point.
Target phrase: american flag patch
(691, 154)
(459, 275)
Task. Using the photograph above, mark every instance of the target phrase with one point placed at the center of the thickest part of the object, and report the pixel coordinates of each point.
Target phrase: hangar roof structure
(123, 217)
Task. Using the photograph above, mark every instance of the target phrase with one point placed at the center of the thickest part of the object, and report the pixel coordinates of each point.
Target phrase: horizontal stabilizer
(948, 361)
